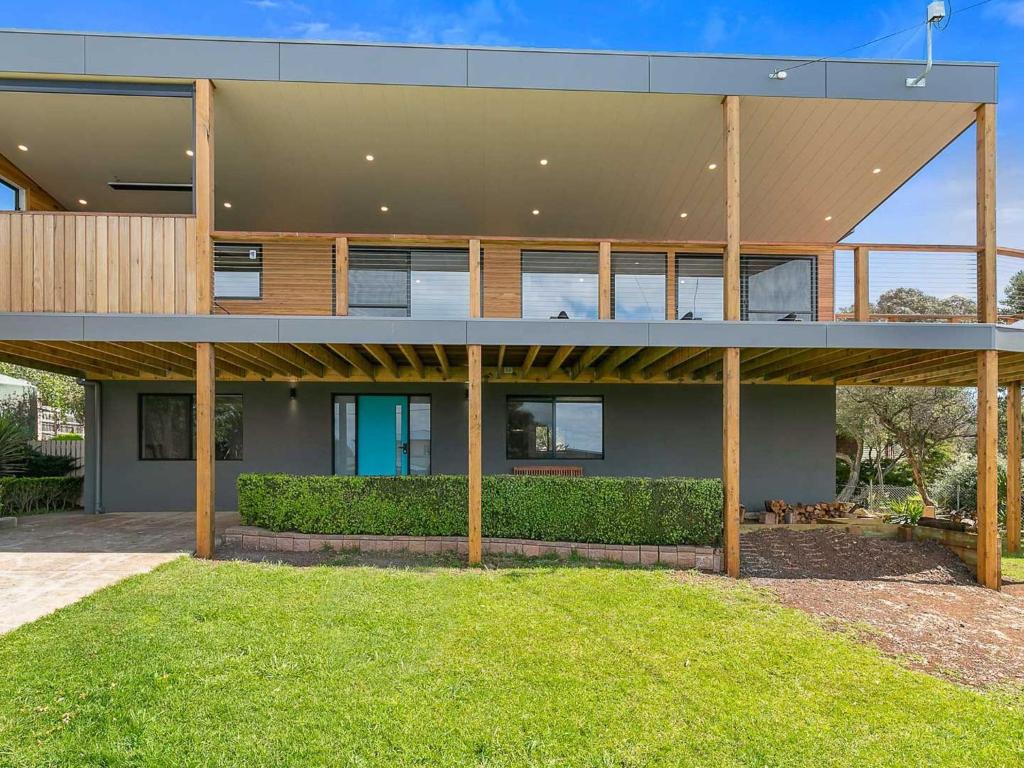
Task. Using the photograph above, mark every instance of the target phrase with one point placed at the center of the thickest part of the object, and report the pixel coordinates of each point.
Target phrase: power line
(883, 38)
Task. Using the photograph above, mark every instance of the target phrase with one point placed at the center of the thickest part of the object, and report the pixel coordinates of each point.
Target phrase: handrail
(899, 317)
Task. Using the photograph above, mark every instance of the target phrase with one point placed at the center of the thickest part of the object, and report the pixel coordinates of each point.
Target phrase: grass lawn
(241, 664)
(1013, 566)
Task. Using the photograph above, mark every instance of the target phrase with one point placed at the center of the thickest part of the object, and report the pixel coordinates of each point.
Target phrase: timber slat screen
(64, 262)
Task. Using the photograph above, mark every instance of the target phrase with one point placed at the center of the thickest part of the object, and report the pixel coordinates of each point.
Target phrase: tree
(63, 393)
(1013, 296)
(921, 420)
(912, 301)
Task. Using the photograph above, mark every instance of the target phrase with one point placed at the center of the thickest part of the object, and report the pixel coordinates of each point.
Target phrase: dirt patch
(916, 601)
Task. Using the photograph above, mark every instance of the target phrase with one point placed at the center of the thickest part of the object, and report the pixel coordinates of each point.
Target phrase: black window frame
(258, 268)
(191, 426)
(18, 194)
(553, 454)
(404, 258)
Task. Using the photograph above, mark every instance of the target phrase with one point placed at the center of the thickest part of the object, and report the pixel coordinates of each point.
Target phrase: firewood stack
(779, 511)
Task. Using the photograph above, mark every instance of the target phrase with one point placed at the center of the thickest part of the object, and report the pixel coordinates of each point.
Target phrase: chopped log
(946, 525)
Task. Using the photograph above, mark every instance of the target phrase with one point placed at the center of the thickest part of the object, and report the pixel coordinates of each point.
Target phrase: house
(424, 259)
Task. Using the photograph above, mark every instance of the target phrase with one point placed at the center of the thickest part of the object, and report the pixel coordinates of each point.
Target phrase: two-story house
(419, 259)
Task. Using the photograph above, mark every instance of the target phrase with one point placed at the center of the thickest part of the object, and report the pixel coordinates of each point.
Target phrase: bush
(32, 495)
(66, 436)
(963, 474)
(608, 510)
(906, 512)
(39, 464)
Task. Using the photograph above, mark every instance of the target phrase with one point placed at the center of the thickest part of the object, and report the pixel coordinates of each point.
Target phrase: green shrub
(66, 436)
(609, 510)
(906, 512)
(32, 495)
(39, 464)
(963, 475)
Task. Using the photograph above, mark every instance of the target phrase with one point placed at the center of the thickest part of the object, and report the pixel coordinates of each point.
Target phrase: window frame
(19, 194)
(258, 247)
(408, 427)
(525, 253)
(191, 425)
(553, 399)
(408, 255)
(664, 256)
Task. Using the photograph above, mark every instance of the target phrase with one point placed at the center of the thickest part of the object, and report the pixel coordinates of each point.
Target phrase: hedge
(604, 510)
(32, 495)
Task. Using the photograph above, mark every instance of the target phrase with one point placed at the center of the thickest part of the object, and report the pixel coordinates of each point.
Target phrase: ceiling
(292, 157)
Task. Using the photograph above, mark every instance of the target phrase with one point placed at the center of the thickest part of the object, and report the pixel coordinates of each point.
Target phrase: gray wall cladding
(787, 437)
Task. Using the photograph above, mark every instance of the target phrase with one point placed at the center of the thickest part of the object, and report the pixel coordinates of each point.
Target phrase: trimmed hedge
(32, 495)
(603, 510)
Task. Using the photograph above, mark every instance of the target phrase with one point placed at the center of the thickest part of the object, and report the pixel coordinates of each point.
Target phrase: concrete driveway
(49, 561)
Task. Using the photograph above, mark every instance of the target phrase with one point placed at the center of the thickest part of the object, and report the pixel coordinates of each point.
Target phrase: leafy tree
(913, 301)
(1013, 296)
(56, 390)
(920, 420)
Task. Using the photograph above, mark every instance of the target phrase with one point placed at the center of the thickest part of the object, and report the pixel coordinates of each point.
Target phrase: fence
(71, 448)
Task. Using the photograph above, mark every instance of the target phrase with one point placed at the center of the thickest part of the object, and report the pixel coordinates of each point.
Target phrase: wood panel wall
(503, 281)
(73, 262)
(38, 199)
(826, 286)
(298, 279)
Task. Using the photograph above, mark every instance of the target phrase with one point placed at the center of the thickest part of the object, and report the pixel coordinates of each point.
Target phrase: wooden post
(861, 310)
(604, 281)
(670, 286)
(203, 193)
(341, 276)
(205, 463)
(1013, 478)
(475, 279)
(985, 126)
(731, 355)
(475, 452)
(988, 485)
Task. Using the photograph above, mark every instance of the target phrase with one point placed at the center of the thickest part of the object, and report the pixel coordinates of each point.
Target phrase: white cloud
(322, 30)
(1011, 12)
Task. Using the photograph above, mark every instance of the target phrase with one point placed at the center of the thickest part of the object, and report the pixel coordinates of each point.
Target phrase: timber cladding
(63, 262)
(503, 281)
(297, 279)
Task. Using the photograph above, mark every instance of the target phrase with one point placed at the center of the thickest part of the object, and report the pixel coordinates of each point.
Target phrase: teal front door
(383, 428)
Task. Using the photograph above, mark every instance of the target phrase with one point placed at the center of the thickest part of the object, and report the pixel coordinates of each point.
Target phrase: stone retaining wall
(681, 556)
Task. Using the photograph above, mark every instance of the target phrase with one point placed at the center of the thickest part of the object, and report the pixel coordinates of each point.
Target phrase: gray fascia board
(187, 328)
(366, 330)
(760, 334)
(96, 87)
(910, 336)
(164, 56)
(577, 333)
(37, 326)
(1009, 339)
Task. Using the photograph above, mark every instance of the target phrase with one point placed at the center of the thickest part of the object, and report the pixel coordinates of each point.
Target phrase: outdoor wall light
(293, 393)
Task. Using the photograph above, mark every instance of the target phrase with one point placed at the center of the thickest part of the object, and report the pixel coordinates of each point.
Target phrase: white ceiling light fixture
(189, 153)
(876, 171)
(712, 166)
(384, 209)
(543, 161)
(23, 148)
(683, 215)
(82, 201)
(828, 218)
(535, 212)
(370, 158)
(227, 204)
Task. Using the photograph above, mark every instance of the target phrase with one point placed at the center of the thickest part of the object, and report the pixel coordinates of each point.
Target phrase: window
(390, 282)
(9, 196)
(699, 288)
(237, 271)
(419, 435)
(774, 287)
(638, 286)
(167, 427)
(344, 434)
(555, 428)
(559, 281)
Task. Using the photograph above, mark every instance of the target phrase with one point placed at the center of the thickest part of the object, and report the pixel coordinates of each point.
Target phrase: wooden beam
(475, 450)
(985, 126)
(559, 357)
(615, 359)
(291, 357)
(731, 459)
(1013, 457)
(206, 385)
(325, 357)
(355, 357)
(587, 358)
(671, 360)
(861, 308)
(247, 363)
(501, 358)
(647, 357)
(604, 280)
(442, 359)
(203, 194)
(341, 276)
(381, 356)
(475, 278)
(414, 359)
(531, 356)
(988, 486)
(731, 260)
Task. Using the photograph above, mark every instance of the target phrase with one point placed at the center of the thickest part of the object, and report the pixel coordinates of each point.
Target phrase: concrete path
(49, 561)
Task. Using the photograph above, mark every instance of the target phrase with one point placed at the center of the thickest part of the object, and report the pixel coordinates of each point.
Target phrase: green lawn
(254, 665)
(1013, 566)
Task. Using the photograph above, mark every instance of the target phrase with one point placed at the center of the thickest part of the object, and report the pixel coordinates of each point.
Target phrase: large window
(8, 196)
(167, 427)
(237, 271)
(556, 282)
(555, 428)
(777, 287)
(389, 282)
(638, 286)
(699, 287)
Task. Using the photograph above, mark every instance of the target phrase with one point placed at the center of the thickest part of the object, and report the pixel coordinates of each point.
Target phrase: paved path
(49, 561)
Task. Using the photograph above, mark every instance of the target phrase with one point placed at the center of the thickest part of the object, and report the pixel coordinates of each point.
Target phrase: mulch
(915, 601)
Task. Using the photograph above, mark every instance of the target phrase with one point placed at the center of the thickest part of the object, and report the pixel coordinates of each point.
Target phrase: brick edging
(678, 556)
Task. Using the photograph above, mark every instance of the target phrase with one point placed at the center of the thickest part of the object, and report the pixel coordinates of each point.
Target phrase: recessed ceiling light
(227, 205)
(828, 218)
(543, 161)
(23, 148)
(384, 209)
(877, 170)
(369, 158)
(683, 215)
(190, 153)
(535, 212)
(712, 166)
(82, 201)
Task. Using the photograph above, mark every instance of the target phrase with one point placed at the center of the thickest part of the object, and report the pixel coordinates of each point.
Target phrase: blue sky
(936, 206)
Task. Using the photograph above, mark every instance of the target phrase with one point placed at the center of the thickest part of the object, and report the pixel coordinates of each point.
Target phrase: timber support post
(731, 355)
(205, 460)
(1013, 479)
(475, 452)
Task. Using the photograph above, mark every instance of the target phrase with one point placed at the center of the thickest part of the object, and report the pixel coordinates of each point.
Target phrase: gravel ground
(915, 601)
